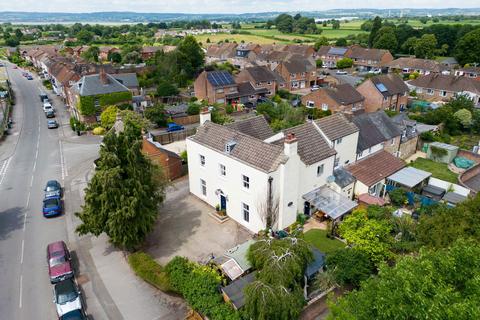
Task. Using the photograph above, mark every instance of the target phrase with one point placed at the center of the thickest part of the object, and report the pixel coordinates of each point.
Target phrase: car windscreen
(51, 187)
(56, 260)
(50, 203)
(67, 295)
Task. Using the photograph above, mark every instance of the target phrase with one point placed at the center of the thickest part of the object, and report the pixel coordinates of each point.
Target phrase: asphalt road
(25, 290)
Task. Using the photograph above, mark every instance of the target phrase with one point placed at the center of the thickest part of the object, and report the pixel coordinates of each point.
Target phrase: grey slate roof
(392, 82)
(92, 85)
(256, 127)
(178, 110)
(129, 80)
(261, 74)
(298, 64)
(234, 291)
(336, 126)
(246, 89)
(312, 147)
(375, 127)
(447, 82)
(345, 94)
(254, 152)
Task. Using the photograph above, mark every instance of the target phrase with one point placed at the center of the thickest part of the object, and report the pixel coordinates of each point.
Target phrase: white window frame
(223, 170)
(339, 141)
(443, 93)
(202, 160)
(203, 187)
(245, 181)
(246, 212)
(430, 92)
(324, 106)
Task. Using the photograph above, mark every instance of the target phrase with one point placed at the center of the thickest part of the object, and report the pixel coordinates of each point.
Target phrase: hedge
(149, 270)
(86, 105)
(199, 286)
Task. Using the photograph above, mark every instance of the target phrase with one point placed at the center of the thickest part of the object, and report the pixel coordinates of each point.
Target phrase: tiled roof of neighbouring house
(357, 52)
(376, 167)
(254, 152)
(415, 63)
(375, 128)
(92, 85)
(298, 64)
(127, 79)
(261, 74)
(389, 84)
(256, 127)
(447, 82)
(336, 126)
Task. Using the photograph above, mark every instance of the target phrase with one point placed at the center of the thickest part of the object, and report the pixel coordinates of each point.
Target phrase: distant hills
(137, 17)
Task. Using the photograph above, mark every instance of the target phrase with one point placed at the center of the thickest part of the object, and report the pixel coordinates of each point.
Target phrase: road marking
(23, 248)
(63, 164)
(3, 170)
(31, 182)
(28, 200)
(34, 165)
(21, 289)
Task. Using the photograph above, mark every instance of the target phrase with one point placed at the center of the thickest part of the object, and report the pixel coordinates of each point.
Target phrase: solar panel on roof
(381, 87)
(221, 78)
(337, 51)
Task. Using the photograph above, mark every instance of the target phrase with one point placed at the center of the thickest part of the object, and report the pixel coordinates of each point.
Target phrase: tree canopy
(123, 196)
(438, 284)
(468, 48)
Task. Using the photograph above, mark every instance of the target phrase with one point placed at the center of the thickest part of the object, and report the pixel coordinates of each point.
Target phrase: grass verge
(318, 238)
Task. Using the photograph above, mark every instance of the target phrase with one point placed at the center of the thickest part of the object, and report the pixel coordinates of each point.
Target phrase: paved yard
(185, 228)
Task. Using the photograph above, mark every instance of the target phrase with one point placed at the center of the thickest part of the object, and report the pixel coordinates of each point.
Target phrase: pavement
(29, 156)
(186, 228)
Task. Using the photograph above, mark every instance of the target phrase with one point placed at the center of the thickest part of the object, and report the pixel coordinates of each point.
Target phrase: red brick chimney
(103, 76)
(290, 138)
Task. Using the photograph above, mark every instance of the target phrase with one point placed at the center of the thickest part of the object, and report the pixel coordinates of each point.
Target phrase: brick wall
(469, 155)
(373, 98)
(392, 148)
(171, 165)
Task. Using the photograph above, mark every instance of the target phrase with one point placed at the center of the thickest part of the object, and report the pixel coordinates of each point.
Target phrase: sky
(221, 6)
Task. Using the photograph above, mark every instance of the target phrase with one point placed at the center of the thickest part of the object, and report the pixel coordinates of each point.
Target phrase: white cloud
(220, 6)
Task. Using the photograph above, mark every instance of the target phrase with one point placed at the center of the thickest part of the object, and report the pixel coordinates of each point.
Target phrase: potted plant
(222, 213)
(217, 207)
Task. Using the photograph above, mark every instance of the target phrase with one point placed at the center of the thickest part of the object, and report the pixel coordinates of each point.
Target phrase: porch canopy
(409, 177)
(330, 202)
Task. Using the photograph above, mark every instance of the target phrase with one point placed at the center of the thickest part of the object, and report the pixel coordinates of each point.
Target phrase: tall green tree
(426, 46)
(91, 54)
(386, 39)
(368, 235)
(284, 23)
(376, 25)
(467, 49)
(192, 50)
(349, 266)
(123, 196)
(438, 284)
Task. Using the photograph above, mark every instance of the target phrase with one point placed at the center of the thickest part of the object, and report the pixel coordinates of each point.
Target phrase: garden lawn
(318, 238)
(438, 170)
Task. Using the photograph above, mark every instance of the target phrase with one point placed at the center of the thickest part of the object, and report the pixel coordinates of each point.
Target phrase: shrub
(344, 63)
(184, 156)
(108, 116)
(229, 109)
(199, 286)
(99, 131)
(349, 266)
(398, 196)
(149, 270)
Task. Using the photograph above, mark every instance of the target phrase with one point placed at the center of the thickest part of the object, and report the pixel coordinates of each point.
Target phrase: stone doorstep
(218, 219)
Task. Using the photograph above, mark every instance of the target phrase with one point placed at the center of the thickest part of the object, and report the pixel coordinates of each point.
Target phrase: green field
(438, 170)
(264, 36)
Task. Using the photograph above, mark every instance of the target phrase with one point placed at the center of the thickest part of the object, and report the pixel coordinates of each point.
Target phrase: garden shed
(233, 293)
(408, 178)
(441, 152)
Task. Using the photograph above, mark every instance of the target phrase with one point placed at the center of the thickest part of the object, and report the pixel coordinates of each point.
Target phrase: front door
(223, 202)
(306, 208)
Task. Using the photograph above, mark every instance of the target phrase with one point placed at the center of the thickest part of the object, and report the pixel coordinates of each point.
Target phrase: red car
(59, 262)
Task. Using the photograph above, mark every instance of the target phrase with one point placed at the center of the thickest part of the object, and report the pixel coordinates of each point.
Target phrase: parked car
(78, 314)
(315, 87)
(53, 188)
(43, 97)
(52, 206)
(341, 72)
(67, 297)
(25, 74)
(59, 262)
(172, 126)
(52, 124)
(50, 114)
(375, 71)
(29, 77)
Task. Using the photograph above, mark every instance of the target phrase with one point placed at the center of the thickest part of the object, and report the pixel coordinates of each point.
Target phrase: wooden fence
(169, 137)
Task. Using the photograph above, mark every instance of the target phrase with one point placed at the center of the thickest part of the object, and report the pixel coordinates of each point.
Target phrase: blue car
(52, 206)
(174, 127)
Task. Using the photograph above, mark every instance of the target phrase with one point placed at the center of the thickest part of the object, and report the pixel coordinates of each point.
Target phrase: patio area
(186, 228)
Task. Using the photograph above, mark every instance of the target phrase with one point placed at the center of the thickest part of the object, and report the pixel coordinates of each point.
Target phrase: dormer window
(229, 146)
